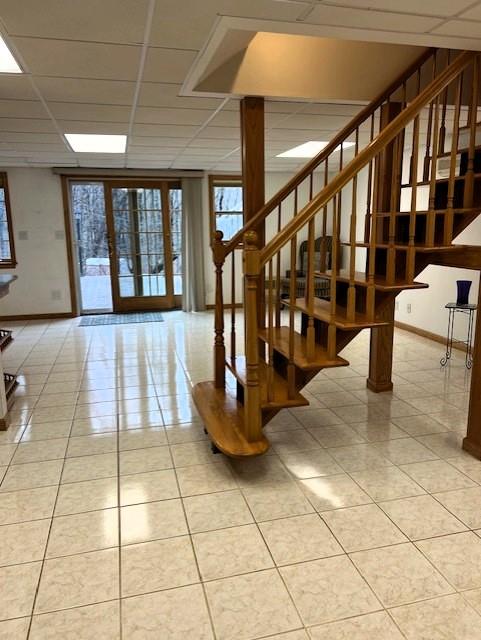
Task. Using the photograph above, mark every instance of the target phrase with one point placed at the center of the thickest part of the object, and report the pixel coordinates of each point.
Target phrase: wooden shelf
(281, 345)
(322, 311)
(362, 280)
(270, 382)
(5, 339)
(223, 418)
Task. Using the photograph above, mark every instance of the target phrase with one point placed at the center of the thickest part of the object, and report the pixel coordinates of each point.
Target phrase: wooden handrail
(326, 152)
(367, 154)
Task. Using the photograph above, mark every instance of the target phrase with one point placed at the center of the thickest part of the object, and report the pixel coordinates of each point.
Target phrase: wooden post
(219, 344)
(472, 441)
(252, 396)
(253, 175)
(381, 346)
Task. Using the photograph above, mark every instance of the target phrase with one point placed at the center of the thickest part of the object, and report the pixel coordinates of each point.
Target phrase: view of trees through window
(6, 241)
(228, 209)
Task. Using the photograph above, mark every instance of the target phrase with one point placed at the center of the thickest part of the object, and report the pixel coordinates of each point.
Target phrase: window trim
(219, 180)
(12, 262)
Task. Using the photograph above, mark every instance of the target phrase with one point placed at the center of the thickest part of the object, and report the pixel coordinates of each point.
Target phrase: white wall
(42, 270)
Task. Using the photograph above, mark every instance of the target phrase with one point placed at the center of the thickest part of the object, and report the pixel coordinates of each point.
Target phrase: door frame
(66, 180)
(141, 303)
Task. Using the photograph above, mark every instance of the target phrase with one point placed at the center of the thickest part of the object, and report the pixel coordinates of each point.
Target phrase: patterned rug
(120, 318)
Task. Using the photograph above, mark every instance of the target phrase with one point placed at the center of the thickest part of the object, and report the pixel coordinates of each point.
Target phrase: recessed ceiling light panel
(96, 143)
(8, 64)
(310, 149)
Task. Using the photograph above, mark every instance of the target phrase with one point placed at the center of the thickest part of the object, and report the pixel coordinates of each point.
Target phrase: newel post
(252, 396)
(219, 345)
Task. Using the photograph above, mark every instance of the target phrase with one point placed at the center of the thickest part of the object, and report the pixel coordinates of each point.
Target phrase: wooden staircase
(390, 212)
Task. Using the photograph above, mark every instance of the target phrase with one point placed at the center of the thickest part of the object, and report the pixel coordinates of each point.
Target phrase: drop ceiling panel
(427, 7)
(27, 125)
(31, 146)
(79, 59)
(167, 65)
(226, 119)
(183, 131)
(465, 29)
(89, 112)
(105, 21)
(303, 121)
(473, 14)
(83, 90)
(22, 109)
(187, 23)
(150, 115)
(156, 141)
(21, 136)
(157, 94)
(78, 126)
(16, 88)
(213, 143)
(231, 133)
(330, 15)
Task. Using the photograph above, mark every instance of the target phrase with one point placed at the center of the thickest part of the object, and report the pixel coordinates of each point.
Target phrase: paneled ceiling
(117, 66)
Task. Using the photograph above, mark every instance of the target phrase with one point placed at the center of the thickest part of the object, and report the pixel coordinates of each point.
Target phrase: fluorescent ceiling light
(96, 143)
(310, 149)
(8, 64)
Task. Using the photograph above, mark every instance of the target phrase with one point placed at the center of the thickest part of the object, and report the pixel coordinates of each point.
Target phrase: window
(226, 205)
(7, 250)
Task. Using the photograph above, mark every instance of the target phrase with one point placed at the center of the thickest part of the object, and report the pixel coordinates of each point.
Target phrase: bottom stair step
(223, 418)
(274, 388)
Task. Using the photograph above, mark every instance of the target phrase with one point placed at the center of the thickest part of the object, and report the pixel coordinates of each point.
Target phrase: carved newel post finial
(251, 240)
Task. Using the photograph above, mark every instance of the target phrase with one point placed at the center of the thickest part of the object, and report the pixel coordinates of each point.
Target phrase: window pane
(228, 199)
(5, 241)
(229, 224)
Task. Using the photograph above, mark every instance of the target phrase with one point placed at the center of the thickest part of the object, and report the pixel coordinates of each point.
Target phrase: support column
(381, 348)
(472, 441)
(382, 338)
(253, 177)
(253, 168)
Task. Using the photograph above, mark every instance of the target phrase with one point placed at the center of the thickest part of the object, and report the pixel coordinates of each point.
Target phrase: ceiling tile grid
(117, 66)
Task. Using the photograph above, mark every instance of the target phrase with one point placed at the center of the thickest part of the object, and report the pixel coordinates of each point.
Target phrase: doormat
(120, 318)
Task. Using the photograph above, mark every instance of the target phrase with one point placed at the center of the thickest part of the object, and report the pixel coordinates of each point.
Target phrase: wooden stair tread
(362, 279)
(281, 344)
(456, 210)
(223, 417)
(268, 381)
(401, 246)
(426, 183)
(5, 339)
(322, 311)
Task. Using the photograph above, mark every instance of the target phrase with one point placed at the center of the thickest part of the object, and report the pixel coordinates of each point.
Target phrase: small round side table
(467, 309)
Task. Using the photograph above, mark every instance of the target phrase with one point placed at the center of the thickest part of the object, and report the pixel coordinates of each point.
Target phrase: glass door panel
(87, 204)
(141, 244)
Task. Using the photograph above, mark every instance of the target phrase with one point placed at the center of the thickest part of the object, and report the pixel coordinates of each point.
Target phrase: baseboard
(39, 316)
(427, 334)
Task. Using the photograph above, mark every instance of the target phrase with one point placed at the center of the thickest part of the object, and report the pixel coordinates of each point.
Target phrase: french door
(144, 221)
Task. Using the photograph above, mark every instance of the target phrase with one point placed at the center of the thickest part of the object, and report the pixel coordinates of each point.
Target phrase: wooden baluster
(468, 198)
(442, 128)
(371, 288)
(351, 293)
(427, 156)
(291, 368)
(411, 256)
(252, 395)
(270, 333)
(449, 216)
(431, 218)
(331, 332)
(391, 251)
(219, 345)
(323, 256)
(278, 271)
(367, 220)
(233, 310)
(296, 202)
(310, 335)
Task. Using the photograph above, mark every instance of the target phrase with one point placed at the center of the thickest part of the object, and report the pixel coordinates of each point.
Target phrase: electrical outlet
(408, 308)
(56, 294)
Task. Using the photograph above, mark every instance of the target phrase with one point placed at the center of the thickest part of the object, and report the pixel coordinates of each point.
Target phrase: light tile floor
(117, 521)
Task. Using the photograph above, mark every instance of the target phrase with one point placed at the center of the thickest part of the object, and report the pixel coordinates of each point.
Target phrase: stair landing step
(320, 359)
(223, 418)
(274, 388)
(362, 279)
(322, 311)
(456, 211)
